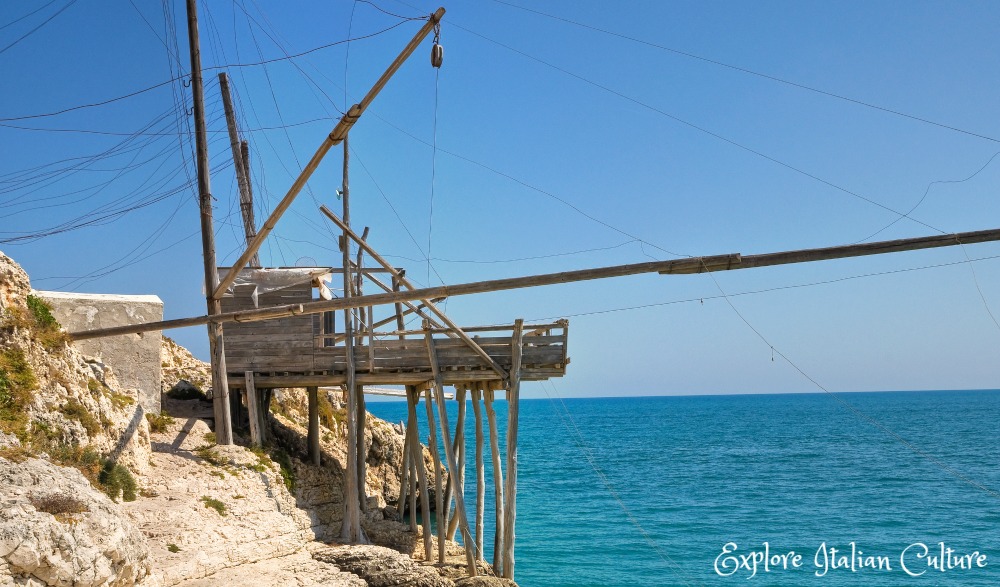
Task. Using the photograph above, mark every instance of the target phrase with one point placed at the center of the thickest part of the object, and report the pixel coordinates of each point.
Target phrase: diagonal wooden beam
(409, 285)
(453, 471)
(335, 137)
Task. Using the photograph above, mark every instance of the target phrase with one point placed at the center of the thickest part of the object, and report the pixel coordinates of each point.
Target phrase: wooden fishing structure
(277, 328)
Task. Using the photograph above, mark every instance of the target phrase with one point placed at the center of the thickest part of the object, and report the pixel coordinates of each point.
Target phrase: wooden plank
(513, 400)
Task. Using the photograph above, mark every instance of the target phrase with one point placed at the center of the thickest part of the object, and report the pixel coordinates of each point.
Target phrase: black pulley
(437, 55)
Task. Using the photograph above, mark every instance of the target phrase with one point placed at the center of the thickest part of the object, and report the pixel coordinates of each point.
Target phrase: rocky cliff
(93, 492)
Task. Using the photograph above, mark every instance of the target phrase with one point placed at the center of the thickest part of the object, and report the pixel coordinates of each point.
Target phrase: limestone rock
(95, 546)
(381, 567)
(181, 368)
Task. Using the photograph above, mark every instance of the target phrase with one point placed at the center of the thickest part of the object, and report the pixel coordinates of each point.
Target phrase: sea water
(894, 488)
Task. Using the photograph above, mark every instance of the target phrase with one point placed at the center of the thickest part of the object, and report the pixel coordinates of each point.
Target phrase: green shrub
(159, 422)
(58, 504)
(117, 481)
(121, 401)
(74, 410)
(45, 326)
(173, 548)
(214, 504)
(16, 382)
(94, 386)
(186, 393)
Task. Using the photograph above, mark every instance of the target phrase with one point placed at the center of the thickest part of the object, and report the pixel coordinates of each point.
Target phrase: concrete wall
(135, 358)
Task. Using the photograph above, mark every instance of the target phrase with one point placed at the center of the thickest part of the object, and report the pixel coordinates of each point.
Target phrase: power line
(694, 126)
(43, 23)
(212, 68)
(751, 72)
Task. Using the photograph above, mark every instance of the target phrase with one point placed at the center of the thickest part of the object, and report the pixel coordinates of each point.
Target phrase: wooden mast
(351, 530)
(220, 383)
(241, 160)
(337, 135)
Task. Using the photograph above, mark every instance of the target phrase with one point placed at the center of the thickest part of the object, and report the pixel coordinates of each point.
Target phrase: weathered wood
(677, 266)
(220, 385)
(459, 448)
(245, 155)
(338, 134)
(407, 284)
(312, 439)
(477, 398)
(404, 472)
(242, 171)
(417, 458)
(271, 381)
(453, 465)
(253, 410)
(438, 474)
(491, 418)
(513, 399)
(351, 531)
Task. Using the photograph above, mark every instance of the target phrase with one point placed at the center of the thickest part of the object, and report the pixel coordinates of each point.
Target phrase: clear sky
(558, 147)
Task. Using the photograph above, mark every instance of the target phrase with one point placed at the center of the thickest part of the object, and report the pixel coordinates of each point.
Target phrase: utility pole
(241, 165)
(220, 384)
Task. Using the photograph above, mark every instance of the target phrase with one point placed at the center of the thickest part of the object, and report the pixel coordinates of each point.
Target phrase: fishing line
(588, 454)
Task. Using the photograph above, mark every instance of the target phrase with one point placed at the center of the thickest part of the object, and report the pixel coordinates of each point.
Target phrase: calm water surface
(648, 491)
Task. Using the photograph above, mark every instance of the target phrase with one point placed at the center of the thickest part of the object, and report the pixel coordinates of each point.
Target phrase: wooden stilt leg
(312, 439)
(459, 448)
(513, 396)
(253, 406)
(491, 418)
(417, 458)
(477, 396)
(438, 476)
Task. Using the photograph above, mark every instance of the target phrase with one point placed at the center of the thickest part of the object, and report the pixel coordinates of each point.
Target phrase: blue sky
(555, 141)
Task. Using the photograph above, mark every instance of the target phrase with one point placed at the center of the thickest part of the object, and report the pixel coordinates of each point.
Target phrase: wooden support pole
(360, 401)
(491, 418)
(417, 458)
(351, 531)
(220, 383)
(513, 397)
(404, 472)
(338, 134)
(239, 165)
(412, 490)
(459, 448)
(673, 267)
(345, 226)
(438, 476)
(477, 398)
(312, 438)
(253, 410)
(453, 465)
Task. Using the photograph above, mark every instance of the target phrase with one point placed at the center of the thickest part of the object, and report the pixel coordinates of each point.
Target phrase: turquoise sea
(649, 491)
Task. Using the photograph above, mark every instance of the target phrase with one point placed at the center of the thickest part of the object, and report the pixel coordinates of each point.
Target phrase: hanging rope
(435, 49)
